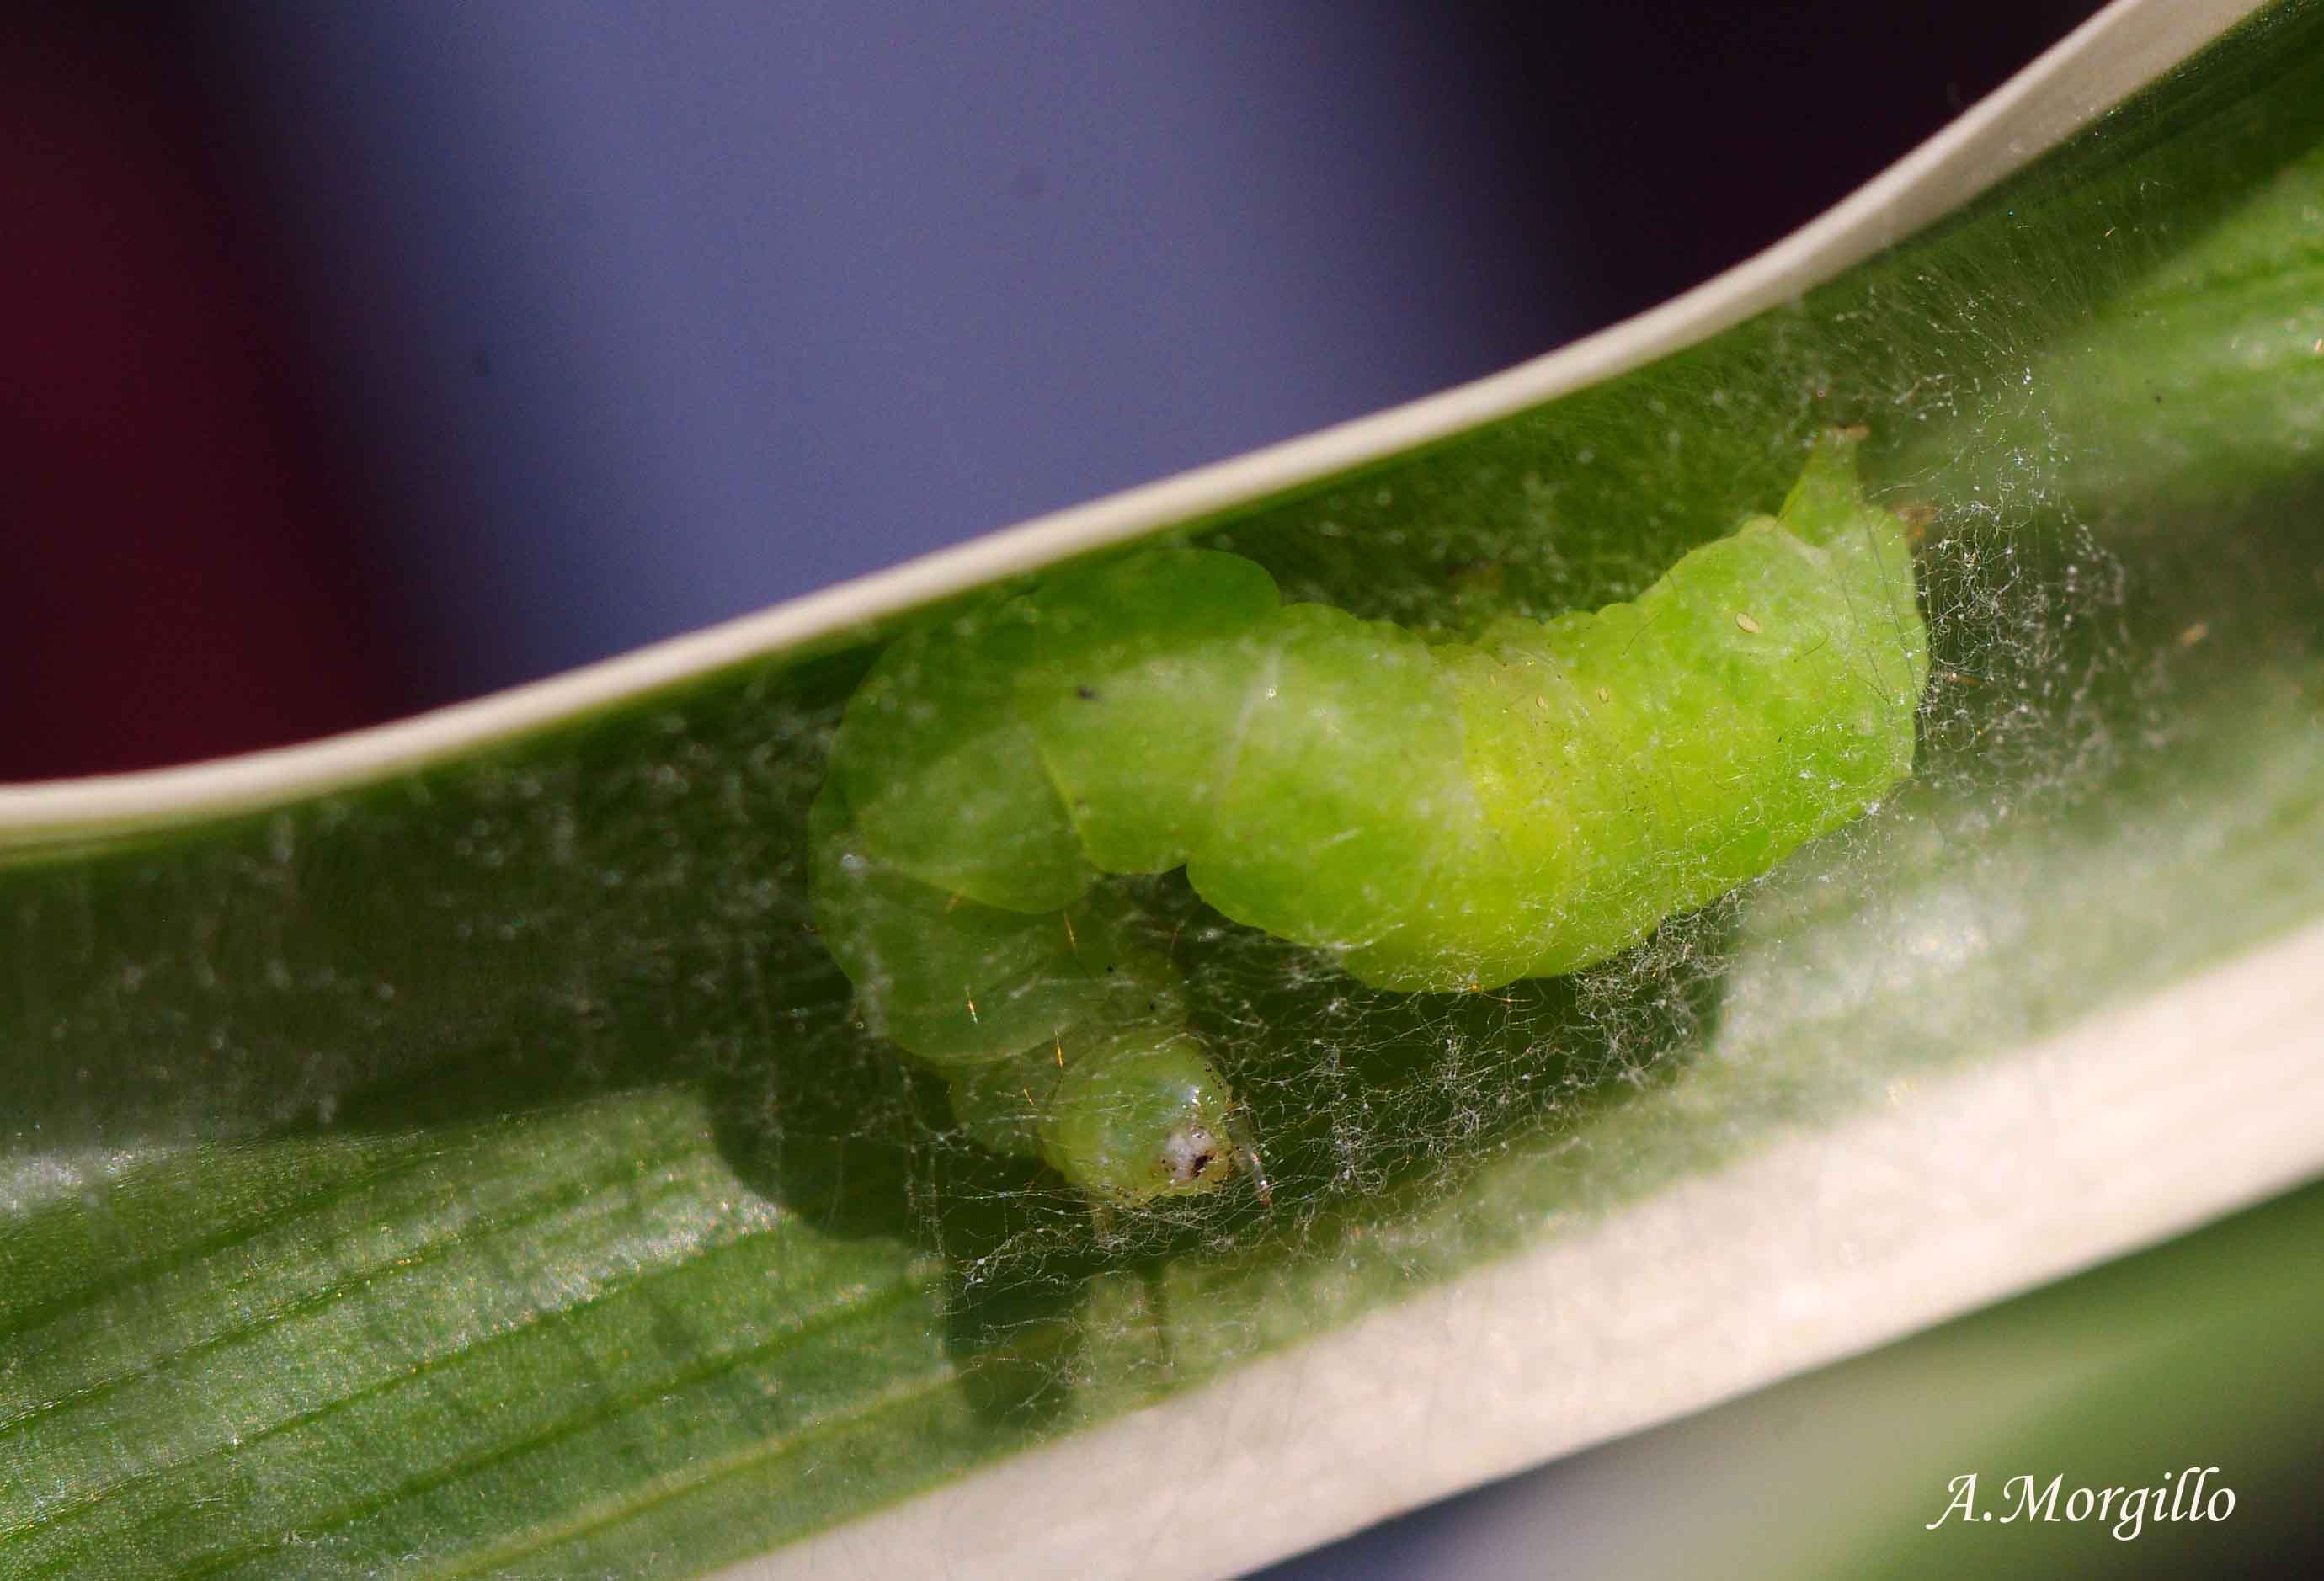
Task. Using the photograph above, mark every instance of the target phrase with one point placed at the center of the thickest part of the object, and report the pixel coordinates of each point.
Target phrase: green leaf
(451, 1150)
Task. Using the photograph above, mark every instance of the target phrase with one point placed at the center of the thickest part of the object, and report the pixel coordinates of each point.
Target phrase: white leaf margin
(2129, 1128)
(2125, 47)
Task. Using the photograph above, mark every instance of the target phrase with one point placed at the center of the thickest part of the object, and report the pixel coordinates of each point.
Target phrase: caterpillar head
(1145, 1116)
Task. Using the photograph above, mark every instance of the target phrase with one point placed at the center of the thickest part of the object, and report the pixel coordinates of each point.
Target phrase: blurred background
(357, 359)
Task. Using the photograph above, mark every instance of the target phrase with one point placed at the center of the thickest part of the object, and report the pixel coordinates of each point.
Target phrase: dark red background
(176, 559)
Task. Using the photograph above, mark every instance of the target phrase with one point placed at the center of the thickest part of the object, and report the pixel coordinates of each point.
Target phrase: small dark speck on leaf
(1086, 693)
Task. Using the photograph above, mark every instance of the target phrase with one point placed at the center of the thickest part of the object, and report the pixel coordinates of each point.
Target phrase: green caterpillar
(1453, 816)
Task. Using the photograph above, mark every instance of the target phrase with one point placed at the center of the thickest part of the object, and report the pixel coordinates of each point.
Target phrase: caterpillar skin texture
(1439, 817)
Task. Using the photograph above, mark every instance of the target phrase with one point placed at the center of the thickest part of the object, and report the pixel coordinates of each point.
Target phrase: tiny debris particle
(1605, 695)
(1746, 622)
(2194, 633)
(1541, 703)
(1086, 693)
